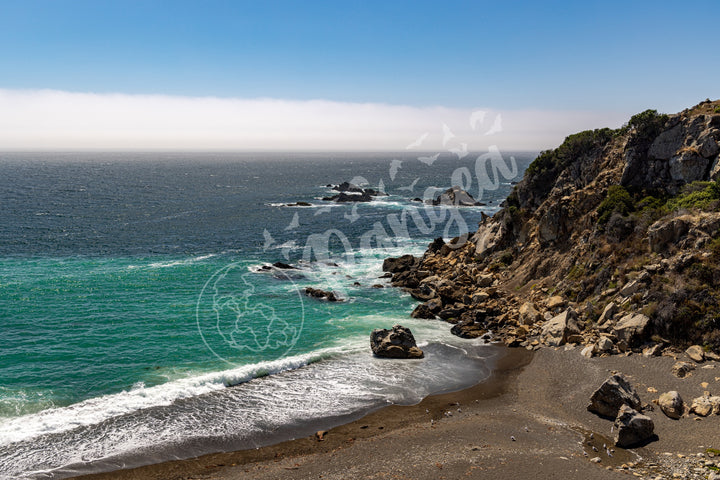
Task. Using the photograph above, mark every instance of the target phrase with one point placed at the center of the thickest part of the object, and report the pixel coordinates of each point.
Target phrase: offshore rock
(613, 394)
(321, 294)
(456, 197)
(396, 343)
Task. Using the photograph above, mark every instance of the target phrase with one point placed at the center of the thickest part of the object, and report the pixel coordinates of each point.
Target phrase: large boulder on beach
(671, 404)
(396, 343)
(632, 428)
(705, 405)
(615, 392)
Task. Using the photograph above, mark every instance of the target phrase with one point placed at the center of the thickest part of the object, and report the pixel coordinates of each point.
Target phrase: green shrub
(647, 124)
(618, 200)
(506, 257)
(696, 195)
(574, 146)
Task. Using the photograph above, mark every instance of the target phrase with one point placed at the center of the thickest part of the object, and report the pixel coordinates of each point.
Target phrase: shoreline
(527, 420)
(506, 363)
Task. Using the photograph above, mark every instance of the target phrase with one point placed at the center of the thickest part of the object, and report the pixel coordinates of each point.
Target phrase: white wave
(173, 263)
(275, 408)
(95, 410)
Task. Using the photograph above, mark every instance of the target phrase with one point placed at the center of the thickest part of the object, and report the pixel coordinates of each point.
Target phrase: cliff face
(611, 224)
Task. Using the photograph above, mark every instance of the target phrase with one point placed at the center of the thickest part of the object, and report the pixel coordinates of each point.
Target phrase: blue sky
(609, 57)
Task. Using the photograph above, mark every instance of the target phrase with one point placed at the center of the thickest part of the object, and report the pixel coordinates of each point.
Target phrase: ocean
(141, 319)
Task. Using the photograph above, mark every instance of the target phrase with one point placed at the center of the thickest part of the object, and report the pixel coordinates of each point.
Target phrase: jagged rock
(707, 145)
(612, 394)
(663, 233)
(671, 404)
(344, 197)
(557, 330)
(631, 328)
(652, 351)
(608, 313)
(632, 427)
(399, 264)
(555, 302)
(529, 314)
(712, 356)
(321, 294)
(485, 280)
(667, 143)
(451, 313)
(605, 344)
(630, 288)
(682, 369)
(396, 343)
(423, 293)
(456, 196)
(468, 329)
(588, 351)
(480, 297)
(284, 266)
(436, 245)
(423, 311)
(696, 353)
(702, 406)
(489, 238)
(688, 167)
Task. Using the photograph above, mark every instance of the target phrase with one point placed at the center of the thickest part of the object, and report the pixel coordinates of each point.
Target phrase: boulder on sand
(632, 428)
(671, 404)
(396, 343)
(615, 392)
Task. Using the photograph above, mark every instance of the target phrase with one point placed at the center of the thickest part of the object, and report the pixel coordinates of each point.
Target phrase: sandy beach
(528, 420)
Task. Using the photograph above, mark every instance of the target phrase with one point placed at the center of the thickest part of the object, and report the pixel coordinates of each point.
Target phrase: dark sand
(528, 421)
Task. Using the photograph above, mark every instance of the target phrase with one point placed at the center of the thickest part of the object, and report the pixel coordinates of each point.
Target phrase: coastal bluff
(610, 242)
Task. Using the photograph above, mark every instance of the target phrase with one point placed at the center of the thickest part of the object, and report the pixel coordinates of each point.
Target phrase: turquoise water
(133, 297)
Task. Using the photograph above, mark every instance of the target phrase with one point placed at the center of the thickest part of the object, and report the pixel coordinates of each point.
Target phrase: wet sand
(529, 420)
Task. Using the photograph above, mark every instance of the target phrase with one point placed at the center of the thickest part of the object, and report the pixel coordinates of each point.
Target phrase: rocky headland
(611, 241)
(610, 245)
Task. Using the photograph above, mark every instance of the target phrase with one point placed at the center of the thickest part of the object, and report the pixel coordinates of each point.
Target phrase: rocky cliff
(611, 240)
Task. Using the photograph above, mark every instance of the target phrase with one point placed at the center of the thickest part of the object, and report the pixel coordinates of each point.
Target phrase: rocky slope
(612, 241)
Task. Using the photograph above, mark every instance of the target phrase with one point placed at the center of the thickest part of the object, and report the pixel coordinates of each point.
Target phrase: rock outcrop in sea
(395, 343)
(455, 197)
(610, 242)
(349, 192)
